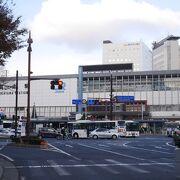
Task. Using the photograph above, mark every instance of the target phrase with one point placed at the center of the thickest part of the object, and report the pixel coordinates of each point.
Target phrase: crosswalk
(71, 167)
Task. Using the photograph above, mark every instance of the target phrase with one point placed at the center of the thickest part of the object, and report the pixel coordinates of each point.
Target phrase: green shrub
(34, 140)
(16, 139)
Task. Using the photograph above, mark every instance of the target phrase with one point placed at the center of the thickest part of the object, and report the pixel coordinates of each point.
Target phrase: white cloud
(84, 26)
(68, 33)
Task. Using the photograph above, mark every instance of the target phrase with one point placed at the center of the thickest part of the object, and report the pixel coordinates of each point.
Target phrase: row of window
(149, 84)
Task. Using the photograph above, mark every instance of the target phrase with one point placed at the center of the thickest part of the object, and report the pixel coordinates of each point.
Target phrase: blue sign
(76, 101)
(125, 98)
(90, 101)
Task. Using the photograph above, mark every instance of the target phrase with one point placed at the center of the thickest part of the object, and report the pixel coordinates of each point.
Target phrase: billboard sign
(77, 101)
(125, 98)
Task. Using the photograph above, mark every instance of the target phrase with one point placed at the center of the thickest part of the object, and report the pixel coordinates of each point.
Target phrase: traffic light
(52, 84)
(60, 84)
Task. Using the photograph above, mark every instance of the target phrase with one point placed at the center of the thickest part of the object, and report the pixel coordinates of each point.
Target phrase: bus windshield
(132, 126)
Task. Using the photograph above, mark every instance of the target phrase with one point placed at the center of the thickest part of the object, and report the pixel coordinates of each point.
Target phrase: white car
(5, 133)
(104, 133)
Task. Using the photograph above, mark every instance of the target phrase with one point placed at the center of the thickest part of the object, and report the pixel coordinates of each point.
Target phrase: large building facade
(156, 94)
(132, 52)
(166, 54)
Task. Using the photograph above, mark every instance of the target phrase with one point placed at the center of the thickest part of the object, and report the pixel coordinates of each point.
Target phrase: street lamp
(29, 49)
(111, 98)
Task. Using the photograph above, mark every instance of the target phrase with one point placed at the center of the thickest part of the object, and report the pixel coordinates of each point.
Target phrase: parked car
(104, 133)
(176, 137)
(49, 133)
(8, 133)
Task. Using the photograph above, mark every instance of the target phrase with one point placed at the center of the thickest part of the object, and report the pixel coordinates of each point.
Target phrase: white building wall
(167, 56)
(41, 94)
(137, 53)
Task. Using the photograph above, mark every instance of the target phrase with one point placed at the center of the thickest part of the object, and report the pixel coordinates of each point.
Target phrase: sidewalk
(7, 170)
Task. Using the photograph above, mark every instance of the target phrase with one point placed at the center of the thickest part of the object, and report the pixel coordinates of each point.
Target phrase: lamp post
(111, 98)
(16, 104)
(29, 49)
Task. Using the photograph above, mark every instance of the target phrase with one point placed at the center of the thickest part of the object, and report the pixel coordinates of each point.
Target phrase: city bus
(171, 127)
(128, 128)
(82, 128)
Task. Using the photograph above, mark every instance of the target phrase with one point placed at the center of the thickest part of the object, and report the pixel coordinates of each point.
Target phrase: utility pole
(16, 105)
(29, 49)
(111, 98)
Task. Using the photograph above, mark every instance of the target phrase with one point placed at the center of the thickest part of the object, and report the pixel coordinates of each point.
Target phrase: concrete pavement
(7, 169)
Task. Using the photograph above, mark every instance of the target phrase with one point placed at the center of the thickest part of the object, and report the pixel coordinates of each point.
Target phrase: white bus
(128, 128)
(82, 128)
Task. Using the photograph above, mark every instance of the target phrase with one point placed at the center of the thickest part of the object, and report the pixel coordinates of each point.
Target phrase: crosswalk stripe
(110, 170)
(59, 170)
(128, 166)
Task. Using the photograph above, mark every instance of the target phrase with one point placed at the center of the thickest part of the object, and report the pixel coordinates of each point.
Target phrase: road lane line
(86, 165)
(110, 170)
(102, 145)
(69, 145)
(158, 147)
(7, 157)
(133, 168)
(170, 144)
(59, 170)
(125, 145)
(112, 152)
(1, 148)
(63, 152)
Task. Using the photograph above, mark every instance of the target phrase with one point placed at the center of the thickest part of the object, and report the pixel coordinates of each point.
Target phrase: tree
(10, 32)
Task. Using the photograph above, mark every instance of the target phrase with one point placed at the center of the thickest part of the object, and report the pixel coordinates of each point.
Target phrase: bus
(128, 128)
(171, 127)
(82, 128)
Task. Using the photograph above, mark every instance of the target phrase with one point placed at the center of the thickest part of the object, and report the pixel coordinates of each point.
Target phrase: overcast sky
(69, 33)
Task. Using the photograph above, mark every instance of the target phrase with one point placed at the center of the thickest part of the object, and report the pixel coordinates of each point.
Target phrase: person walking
(63, 132)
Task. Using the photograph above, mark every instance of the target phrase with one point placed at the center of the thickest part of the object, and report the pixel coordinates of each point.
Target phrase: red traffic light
(60, 82)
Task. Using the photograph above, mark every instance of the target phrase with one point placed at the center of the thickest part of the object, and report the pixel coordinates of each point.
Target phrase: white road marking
(102, 145)
(63, 152)
(59, 170)
(112, 152)
(23, 178)
(69, 145)
(170, 144)
(1, 148)
(151, 150)
(158, 147)
(111, 170)
(86, 165)
(7, 157)
(133, 168)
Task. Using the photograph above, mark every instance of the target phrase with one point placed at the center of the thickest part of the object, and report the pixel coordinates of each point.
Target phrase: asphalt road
(142, 158)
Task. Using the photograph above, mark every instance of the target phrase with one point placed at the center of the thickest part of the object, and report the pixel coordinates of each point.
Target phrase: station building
(117, 92)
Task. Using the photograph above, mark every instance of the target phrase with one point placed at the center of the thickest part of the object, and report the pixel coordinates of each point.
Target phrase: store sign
(90, 101)
(12, 92)
(76, 101)
(125, 98)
